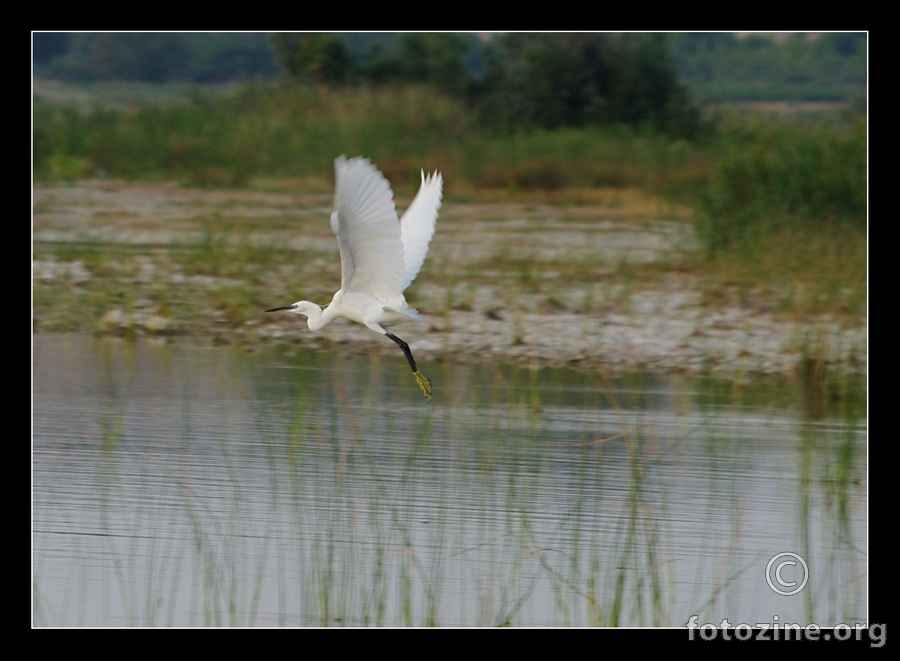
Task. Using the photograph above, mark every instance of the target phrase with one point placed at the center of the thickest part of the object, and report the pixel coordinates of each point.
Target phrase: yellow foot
(424, 383)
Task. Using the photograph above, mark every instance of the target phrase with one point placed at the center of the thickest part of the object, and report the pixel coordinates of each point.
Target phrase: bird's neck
(316, 317)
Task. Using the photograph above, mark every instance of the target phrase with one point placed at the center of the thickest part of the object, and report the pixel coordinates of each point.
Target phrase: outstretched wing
(417, 225)
(368, 232)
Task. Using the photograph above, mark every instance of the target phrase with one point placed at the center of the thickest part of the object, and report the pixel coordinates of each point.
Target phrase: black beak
(283, 307)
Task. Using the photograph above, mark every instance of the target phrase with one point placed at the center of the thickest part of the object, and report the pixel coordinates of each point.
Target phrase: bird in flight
(380, 255)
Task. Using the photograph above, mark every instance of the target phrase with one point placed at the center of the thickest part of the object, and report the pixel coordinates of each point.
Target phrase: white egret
(380, 256)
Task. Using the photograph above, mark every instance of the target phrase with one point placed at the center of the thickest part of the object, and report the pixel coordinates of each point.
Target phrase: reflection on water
(185, 486)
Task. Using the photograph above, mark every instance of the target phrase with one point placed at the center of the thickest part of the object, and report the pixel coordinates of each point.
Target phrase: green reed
(264, 130)
(344, 501)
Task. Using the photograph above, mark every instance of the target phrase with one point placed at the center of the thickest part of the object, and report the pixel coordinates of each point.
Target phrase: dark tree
(435, 57)
(548, 80)
(315, 57)
(151, 57)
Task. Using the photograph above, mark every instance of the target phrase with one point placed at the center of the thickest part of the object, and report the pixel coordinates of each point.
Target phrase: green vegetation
(786, 202)
(776, 192)
(281, 130)
(282, 488)
(800, 261)
(776, 203)
(152, 57)
(778, 199)
(713, 66)
(530, 81)
(784, 176)
(724, 66)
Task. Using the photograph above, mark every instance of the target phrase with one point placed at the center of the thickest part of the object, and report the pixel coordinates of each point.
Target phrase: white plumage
(380, 255)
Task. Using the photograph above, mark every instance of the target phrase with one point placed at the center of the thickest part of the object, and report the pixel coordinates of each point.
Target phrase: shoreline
(585, 286)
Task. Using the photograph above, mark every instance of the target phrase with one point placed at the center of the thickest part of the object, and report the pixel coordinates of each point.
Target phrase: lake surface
(176, 485)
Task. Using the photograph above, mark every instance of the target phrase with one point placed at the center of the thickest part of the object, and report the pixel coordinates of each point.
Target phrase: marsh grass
(828, 471)
(778, 209)
(262, 130)
(303, 499)
(799, 275)
(407, 584)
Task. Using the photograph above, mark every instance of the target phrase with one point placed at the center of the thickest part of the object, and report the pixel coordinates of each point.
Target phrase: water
(201, 486)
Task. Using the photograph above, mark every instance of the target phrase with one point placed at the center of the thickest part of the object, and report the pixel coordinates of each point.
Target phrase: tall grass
(300, 495)
(785, 207)
(784, 178)
(778, 204)
(287, 490)
(268, 130)
(753, 179)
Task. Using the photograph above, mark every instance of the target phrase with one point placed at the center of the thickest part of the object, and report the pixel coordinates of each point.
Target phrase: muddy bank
(589, 285)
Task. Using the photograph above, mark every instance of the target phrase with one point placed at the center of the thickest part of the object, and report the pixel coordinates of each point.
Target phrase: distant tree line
(519, 80)
(442, 59)
(152, 57)
(514, 81)
(797, 67)
(550, 80)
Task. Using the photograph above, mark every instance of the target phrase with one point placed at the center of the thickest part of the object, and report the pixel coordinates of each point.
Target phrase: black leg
(421, 379)
(406, 352)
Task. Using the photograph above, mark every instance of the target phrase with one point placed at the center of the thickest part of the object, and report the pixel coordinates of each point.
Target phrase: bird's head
(303, 308)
